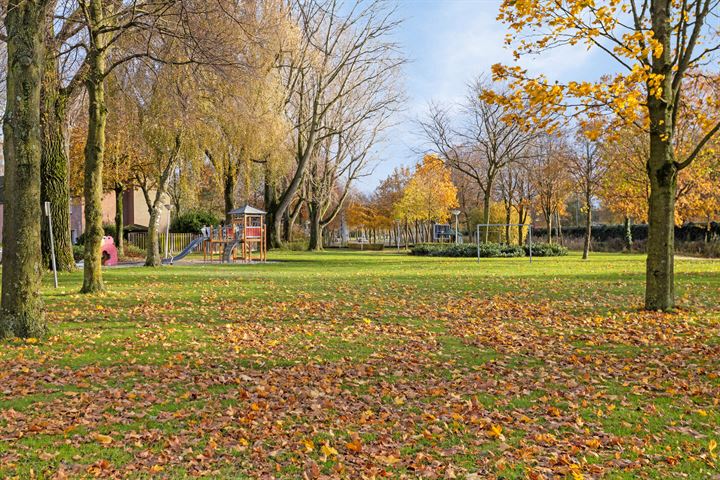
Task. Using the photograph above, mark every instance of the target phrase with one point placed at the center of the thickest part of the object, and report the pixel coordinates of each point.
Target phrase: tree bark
(153, 249)
(119, 220)
(94, 156)
(22, 313)
(54, 181)
(229, 196)
(486, 212)
(315, 227)
(508, 219)
(661, 170)
(660, 285)
(628, 233)
(588, 228)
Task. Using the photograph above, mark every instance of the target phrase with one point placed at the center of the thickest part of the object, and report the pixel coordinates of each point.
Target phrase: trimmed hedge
(690, 232)
(546, 250)
(466, 250)
(487, 250)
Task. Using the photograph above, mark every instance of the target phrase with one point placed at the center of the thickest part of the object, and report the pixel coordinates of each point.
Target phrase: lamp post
(456, 213)
(167, 230)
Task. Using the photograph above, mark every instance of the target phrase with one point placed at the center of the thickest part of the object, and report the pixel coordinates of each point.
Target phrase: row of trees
(513, 170)
(186, 100)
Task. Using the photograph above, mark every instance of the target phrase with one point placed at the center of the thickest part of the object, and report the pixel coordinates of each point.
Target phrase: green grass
(365, 363)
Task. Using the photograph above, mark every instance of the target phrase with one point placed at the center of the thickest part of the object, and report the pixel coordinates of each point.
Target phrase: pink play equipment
(109, 252)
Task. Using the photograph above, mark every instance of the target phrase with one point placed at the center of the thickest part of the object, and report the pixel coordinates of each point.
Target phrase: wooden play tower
(244, 239)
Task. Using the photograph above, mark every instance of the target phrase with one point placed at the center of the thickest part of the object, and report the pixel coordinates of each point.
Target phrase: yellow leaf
(387, 459)
(327, 450)
(712, 446)
(309, 445)
(104, 439)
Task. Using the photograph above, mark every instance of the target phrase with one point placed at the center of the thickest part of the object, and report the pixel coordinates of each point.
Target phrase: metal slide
(229, 247)
(191, 246)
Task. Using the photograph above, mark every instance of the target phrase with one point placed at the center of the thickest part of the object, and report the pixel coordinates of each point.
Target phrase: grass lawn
(369, 365)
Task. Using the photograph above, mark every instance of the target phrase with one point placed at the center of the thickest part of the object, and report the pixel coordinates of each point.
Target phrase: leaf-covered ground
(369, 365)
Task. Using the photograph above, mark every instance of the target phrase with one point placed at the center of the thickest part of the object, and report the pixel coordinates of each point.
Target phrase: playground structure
(243, 240)
(109, 252)
(445, 233)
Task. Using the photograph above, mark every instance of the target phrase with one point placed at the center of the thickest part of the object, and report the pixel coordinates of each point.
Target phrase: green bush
(546, 250)
(78, 252)
(192, 221)
(467, 250)
(132, 251)
(108, 229)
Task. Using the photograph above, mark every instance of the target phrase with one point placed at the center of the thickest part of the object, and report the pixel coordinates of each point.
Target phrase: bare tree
(343, 46)
(480, 144)
(587, 169)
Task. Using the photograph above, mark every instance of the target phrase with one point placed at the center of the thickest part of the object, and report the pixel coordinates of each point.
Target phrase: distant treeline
(690, 232)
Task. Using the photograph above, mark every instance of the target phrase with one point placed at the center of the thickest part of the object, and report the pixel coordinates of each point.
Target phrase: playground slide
(191, 246)
(229, 247)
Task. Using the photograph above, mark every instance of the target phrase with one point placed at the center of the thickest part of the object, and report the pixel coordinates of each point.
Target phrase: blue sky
(448, 43)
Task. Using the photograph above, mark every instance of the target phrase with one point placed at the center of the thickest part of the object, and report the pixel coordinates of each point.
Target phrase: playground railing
(176, 243)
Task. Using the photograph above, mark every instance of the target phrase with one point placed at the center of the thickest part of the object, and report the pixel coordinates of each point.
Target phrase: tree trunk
(549, 224)
(119, 221)
(508, 219)
(660, 285)
(229, 196)
(94, 158)
(588, 228)
(54, 182)
(521, 220)
(628, 234)
(661, 170)
(22, 310)
(315, 227)
(153, 248)
(486, 213)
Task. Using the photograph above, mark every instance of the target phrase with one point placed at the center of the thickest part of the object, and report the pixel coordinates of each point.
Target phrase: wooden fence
(177, 241)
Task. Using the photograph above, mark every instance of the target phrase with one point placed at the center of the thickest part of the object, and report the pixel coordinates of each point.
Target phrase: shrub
(133, 251)
(78, 252)
(546, 250)
(466, 250)
(192, 221)
(108, 229)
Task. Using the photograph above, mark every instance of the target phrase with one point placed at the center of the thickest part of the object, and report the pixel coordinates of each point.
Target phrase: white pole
(52, 242)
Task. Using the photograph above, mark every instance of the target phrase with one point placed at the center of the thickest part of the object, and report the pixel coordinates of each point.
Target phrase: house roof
(247, 210)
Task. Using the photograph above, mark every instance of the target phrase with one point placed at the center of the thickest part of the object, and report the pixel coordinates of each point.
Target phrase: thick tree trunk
(588, 228)
(315, 227)
(153, 247)
(94, 158)
(119, 220)
(229, 196)
(660, 285)
(54, 182)
(661, 169)
(22, 313)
